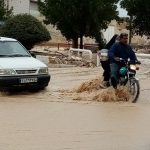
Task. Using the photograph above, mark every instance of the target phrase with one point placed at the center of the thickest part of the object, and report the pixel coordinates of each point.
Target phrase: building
(24, 6)
(115, 28)
(34, 8)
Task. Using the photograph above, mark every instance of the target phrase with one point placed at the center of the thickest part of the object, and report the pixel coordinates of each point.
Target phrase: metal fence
(92, 47)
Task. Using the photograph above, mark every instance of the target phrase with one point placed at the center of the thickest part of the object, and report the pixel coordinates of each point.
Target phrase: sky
(122, 12)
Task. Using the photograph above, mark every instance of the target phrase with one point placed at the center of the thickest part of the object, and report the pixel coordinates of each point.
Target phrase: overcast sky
(122, 12)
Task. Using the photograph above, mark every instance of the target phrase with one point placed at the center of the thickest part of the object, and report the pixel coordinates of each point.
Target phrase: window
(8, 48)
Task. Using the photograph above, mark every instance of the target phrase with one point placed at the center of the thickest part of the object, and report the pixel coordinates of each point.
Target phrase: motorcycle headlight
(6, 72)
(133, 67)
(43, 71)
(137, 66)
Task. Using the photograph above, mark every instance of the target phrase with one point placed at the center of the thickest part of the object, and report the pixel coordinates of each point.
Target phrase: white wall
(34, 9)
(24, 6)
(109, 33)
(19, 6)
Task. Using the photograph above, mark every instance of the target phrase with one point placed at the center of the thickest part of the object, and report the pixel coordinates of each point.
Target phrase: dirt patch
(65, 58)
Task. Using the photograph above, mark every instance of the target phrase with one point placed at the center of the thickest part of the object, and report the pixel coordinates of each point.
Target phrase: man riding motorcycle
(117, 51)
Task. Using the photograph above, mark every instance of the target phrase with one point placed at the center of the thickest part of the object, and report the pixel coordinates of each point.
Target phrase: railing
(57, 45)
(92, 47)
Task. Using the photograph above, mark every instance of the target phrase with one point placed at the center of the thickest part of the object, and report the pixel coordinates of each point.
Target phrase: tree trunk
(130, 29)
(81, 42)
(75, 43)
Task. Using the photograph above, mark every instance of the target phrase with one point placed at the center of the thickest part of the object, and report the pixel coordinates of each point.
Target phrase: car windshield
(12, 49)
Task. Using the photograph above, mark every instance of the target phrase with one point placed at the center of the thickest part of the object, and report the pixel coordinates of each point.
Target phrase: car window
(9, 48)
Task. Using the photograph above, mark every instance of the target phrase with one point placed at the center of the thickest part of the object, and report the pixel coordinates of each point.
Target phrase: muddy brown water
(51, 120)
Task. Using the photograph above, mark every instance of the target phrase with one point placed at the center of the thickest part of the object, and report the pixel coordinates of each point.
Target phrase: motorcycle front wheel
(134, 89)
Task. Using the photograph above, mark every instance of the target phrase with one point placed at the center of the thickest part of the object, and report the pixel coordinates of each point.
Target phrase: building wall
(19, 6)
(109, 33)
(34, 9)
(24, 6)
(114, 28)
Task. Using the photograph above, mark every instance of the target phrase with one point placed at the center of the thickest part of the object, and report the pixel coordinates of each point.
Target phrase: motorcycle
(127, 77)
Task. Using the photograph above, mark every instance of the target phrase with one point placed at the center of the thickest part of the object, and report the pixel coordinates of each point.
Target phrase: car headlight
(43, 71)
(133, 67)
(6, 72)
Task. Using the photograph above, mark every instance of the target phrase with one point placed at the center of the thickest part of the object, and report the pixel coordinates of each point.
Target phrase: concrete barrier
(81, 51)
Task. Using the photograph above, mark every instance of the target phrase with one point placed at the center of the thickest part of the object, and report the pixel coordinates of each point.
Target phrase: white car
(18, 68)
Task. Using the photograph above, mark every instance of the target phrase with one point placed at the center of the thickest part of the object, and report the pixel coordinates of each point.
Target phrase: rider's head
(124, 38)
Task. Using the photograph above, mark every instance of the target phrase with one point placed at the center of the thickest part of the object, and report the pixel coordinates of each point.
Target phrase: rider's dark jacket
(123, 51)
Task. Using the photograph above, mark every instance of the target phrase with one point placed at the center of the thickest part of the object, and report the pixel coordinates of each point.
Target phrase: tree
(139, 12)
(129, 25)
(78, 18)
(26, 29)
(5, 12)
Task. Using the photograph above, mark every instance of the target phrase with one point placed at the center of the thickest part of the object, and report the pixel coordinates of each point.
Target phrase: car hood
(20, 63)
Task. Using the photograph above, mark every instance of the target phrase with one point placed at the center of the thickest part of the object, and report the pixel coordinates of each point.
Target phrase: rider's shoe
(107, 84)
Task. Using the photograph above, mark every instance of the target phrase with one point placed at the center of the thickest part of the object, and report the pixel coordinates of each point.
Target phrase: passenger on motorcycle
(103, 54)
(117, 51)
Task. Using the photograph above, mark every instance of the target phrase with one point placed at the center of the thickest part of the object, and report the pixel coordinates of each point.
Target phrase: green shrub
(26, 29)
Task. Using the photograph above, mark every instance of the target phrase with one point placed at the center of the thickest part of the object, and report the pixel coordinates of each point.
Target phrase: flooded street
(51, 120)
